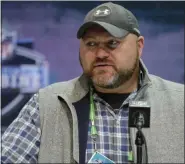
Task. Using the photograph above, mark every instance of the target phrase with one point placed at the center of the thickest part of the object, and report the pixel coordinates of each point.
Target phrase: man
(86, 118)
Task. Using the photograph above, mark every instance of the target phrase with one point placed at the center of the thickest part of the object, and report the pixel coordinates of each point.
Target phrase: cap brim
(113, 30)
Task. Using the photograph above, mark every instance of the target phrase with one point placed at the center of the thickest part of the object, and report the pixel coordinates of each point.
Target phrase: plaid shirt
(21, 140)
(112, 127)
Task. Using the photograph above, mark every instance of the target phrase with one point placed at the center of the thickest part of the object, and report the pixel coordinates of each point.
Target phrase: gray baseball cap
(115, 19)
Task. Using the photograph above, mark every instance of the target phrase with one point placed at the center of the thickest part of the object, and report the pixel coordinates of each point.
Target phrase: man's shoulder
(73, 89)
(163, 84)
(59, 87)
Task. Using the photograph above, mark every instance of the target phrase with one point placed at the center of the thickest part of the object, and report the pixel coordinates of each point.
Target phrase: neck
(127, 87)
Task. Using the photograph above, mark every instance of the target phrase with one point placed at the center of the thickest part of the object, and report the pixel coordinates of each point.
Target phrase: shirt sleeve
(21, 140)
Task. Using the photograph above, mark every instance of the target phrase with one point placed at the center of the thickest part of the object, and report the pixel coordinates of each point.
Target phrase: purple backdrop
(54, 33)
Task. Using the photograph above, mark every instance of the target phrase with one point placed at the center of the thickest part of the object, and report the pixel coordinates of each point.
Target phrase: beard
(115, 77)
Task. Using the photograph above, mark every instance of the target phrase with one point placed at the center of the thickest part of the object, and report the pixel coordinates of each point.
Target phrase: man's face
(109, 62)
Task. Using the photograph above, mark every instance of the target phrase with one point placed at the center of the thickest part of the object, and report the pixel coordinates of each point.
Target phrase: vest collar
(80, 85)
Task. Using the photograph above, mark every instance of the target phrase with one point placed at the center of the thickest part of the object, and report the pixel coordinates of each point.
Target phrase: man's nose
(102, 53)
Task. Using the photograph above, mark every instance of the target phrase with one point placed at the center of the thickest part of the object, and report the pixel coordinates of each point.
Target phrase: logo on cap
(102, 11)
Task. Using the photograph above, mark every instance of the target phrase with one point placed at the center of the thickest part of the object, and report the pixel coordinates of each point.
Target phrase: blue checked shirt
(21, 140)
(112, 126)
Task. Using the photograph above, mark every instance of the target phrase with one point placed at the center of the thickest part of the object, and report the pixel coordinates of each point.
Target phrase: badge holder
(100, 158)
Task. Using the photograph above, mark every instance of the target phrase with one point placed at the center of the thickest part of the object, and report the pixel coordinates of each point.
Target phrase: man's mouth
(102, 65)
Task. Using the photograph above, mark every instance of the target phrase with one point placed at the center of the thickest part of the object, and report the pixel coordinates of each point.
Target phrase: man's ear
(140, 44)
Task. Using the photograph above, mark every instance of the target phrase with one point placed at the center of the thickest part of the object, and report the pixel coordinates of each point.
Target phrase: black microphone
(139, 117)
(139, 120)
(139, 114)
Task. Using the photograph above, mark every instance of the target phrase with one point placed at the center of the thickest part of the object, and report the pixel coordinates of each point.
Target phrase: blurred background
(39, 45)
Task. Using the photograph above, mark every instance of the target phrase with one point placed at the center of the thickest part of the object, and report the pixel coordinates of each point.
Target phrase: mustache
(100, 62)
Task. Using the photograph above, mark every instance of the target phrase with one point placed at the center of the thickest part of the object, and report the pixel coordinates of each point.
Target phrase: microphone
(139, 117)
(139, 120)
(139, 114)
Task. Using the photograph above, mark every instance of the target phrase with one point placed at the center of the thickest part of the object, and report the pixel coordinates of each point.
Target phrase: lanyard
(94, 133)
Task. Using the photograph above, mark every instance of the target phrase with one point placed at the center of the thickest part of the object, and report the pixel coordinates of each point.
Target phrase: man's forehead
(96, 30)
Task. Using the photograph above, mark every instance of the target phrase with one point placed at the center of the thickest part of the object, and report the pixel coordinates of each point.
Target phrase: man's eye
(91, 44)
(112, 44)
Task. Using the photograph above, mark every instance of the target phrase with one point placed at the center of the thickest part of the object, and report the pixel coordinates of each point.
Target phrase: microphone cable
(145, 143)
